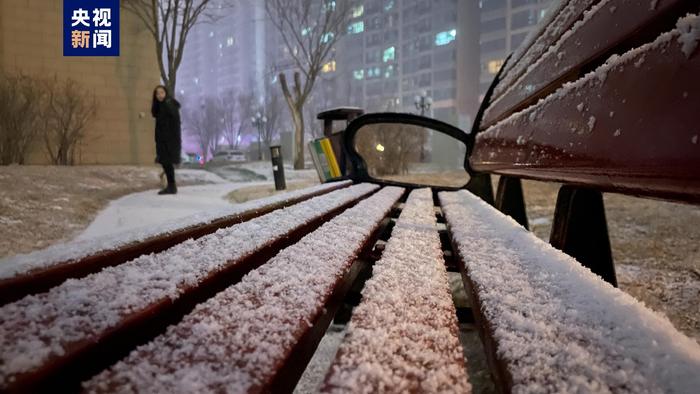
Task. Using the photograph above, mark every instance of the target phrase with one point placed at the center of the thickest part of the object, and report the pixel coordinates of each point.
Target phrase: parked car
(229, 156)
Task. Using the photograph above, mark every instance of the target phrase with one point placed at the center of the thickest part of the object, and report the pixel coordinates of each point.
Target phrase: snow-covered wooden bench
(243, 307)
(37, 272)
(549, 325)
(90, 321)
(257, 335)
(604, 97)
(403, 337)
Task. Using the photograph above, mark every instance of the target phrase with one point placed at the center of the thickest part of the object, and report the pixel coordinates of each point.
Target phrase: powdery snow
(43, 326)
(559, 327)
(516, 81)
(403, 335)
(560, 18)
(77, 249)
(689, 29)
(537, 38)
(234, 341)
(595, 78)
(148, 209)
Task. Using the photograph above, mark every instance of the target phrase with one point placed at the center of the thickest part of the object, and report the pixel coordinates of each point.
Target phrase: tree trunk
(170, 86)
(298, 118)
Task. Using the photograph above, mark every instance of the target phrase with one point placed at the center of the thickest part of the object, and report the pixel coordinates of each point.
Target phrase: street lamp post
(259, 121)
(423, 103)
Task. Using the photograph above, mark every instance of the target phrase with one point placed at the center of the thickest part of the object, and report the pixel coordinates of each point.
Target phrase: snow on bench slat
(40, 327)
(236, 340)
(549, 26)
(559, 327)
(403, 336)
(686, 35)
(76, 250)
(558, 19)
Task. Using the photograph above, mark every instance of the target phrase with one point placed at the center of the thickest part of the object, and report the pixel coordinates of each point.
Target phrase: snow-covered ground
(264, 168)
(147, 208)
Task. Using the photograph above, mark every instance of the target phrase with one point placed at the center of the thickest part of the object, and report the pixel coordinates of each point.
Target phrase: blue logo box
(90, 27)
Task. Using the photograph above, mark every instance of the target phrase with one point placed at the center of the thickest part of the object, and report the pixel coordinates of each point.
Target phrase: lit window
(389, 5)
(196, 81)
(211, 34)
(494, 65)
(357, 27)
(328, 67)
(358, 74)
(389, 54)
(305, 31)
(229, 41)
(542, 14)
(221, 45)
(329, 6)
(358, 11)
(445, 37)
(327, 37)
(389, 71)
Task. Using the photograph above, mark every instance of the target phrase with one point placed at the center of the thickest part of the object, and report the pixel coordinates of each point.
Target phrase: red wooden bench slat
(631, 126)
(403, 337)
(569, 12)
(42, 279)
(550, 325)
(606, 25)
(84, 324)
(247, 336)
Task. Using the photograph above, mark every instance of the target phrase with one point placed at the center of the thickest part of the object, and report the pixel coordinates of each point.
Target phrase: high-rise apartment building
(398, 49)
(393, 51)
(229, 54)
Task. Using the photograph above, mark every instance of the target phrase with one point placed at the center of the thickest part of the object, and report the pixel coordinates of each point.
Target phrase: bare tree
(389, 149)
(236, 111)
(205, 123)
(316, 103)
(309, 30)
(170, 22)
(272, 111)
(68, 109)
(21, 101)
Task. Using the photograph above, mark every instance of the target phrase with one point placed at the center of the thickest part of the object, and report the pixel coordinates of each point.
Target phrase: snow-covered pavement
(146, 208)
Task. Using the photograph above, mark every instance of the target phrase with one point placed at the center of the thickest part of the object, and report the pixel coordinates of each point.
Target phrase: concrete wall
(31, 34)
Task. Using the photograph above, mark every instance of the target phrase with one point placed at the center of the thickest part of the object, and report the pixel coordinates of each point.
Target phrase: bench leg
(480, 184)
(510, 200)
(581, 231)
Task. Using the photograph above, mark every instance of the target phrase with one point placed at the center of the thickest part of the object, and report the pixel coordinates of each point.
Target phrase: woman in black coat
(166, 110)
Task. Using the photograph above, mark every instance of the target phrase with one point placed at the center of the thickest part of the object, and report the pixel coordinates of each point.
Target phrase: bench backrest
(604, 95)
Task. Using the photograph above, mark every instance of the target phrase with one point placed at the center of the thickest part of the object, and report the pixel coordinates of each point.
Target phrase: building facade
(31, 43)
(394, 50)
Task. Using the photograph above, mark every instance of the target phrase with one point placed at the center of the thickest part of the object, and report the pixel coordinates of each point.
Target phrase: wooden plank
(403, 337)
(248, 337)
(631, 127)
(43, 278)
(549, 324)
(605, 26)
(83, 325)
(568, 13)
